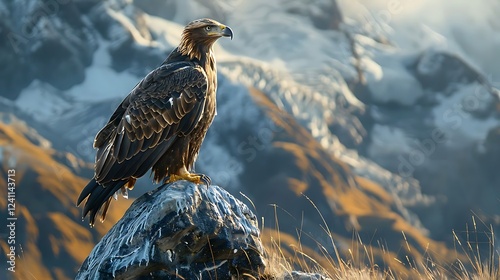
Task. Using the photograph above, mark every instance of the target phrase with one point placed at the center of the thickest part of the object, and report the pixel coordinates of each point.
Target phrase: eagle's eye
(207, 28)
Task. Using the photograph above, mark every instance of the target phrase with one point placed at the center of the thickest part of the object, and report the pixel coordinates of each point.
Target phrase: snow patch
(42, 101)
(387, 140)
(389, 81)
(102, 82)
(446, 25)
(453, 116)
(166, 33)
(128, 25)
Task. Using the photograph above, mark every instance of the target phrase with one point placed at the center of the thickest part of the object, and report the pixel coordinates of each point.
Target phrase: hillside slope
(51, 239)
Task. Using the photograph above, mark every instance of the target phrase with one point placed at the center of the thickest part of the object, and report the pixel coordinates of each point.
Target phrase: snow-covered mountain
(401, 94)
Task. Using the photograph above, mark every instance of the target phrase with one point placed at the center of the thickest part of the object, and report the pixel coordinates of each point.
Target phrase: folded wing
(166, 104)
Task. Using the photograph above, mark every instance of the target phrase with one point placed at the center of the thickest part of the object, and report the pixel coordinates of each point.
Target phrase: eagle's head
(200, 35)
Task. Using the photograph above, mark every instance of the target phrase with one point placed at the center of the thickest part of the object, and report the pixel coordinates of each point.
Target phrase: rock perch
(180, 231)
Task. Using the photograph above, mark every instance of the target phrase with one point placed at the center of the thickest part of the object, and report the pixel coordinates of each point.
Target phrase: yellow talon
(196, 178)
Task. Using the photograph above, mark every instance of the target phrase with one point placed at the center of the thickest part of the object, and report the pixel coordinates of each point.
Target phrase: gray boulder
(179, 231)
(297, 275)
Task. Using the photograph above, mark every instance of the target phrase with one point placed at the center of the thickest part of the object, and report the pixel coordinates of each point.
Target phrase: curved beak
(226, 31)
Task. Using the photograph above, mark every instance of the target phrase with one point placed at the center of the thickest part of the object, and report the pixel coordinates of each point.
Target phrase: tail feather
(86, 191)
(98, 198)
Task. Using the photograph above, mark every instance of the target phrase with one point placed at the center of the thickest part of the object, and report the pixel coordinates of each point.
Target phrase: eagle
(161, 123)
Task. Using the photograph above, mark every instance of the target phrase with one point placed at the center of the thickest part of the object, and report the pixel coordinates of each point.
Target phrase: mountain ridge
(306, 103)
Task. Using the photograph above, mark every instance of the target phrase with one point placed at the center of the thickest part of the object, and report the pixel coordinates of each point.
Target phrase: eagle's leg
(196, 178)
(128, 186)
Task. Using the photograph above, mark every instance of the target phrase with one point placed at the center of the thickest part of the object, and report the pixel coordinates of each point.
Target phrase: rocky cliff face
(180, 230)
(46, 41)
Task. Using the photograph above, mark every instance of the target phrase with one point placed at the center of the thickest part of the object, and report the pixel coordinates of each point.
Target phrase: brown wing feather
(105, 133)
(167, 103)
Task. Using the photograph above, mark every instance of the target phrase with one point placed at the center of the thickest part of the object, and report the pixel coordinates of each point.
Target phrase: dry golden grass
(286, 254)
(282, 261)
